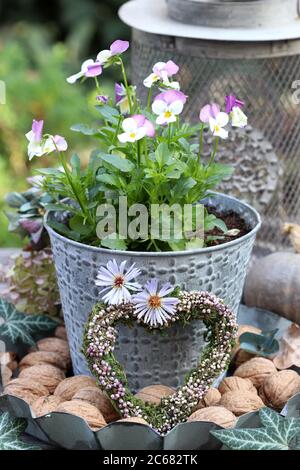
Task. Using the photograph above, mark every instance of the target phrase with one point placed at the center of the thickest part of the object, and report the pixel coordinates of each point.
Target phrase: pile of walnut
(42, 383)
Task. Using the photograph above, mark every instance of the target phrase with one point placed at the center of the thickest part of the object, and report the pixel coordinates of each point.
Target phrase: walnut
(133, 419)
(100, 400)
(84, 410)
(60, 332)
(8, 359)
(233, 384)
(27, 389)
(278, 388)
(70, 386)
(214, 414)
(257, 369)
(154, 393)
(212, 398)
(45, 405)
(45, 374)
(57, 345)
(43, 357)
(241, 402)
(5, 375)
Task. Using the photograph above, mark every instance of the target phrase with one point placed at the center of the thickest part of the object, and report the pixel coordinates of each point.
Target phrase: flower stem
(97, 84)
(116, 131)
(200, 143)
(149, 99)
(126, 85)
(214, 151)
(138, 152)
(169, 134)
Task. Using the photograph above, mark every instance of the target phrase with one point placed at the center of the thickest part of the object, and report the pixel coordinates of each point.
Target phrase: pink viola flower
(116, 48)
(168, 105)
(209, 111)
(134, 129)
(161, 72)
(231, 101)
(40, 145)
(89, 68)
(142, 121)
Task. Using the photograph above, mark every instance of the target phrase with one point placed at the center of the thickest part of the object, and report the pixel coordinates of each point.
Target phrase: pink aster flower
(89, 68)
(161, 72)
(209, 111)
(167, 105)
(152, 304)
(117, 282)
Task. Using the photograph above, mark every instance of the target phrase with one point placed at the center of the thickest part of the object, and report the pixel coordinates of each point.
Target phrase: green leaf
(15, 199)
(109, 114)
(111, 180)
(220, 224)
(77, 225)
(162, 154)
(84, 129)
(194, 244)
(11, 430)
(18, 326)
(64, 230)
(118, 162)
(116, 244)
(75, 164)
(276, 433)
(263, 344)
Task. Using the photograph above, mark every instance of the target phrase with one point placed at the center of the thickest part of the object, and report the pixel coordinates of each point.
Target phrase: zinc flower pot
(153, 358)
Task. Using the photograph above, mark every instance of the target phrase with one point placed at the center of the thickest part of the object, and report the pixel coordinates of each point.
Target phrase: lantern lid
(217, 20)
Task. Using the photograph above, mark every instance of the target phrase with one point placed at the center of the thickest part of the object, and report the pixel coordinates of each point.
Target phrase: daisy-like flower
(116, 48)
(168, 105)
(89, 68)
(233, 108)
(217, 125)
(135, 128)
(40, 145)
(152, 304)
(161, 72)
(117, 282)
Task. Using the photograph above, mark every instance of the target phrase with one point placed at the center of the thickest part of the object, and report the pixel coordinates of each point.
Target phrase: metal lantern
(247, 48)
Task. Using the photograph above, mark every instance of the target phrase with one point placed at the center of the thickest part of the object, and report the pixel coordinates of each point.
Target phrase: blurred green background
(40, 45)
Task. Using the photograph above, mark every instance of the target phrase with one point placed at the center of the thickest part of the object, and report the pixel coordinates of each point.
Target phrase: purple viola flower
(231, 102)
(209, 111)
(116, 48)
(121, 98)
(152, 304)
(37, 129)
(102, 98)
(142, 121)
(89, 68)
(40, 144)
(170, 96)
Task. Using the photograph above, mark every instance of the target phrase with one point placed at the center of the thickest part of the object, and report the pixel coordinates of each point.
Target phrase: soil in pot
(233, 221)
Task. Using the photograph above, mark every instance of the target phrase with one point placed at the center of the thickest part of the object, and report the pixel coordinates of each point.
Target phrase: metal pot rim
(207, 250)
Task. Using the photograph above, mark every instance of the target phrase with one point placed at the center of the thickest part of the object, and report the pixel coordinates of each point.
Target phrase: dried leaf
(293, 230)
(289, 352)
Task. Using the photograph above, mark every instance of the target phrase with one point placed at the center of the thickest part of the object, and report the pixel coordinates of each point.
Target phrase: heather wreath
(144, 152)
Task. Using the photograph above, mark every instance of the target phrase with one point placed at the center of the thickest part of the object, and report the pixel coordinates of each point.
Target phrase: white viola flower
(161, 72)
(116, 48)
(167, 112)
(217, 125)
(152, 304)
(132, 131)
(117, 282)
(89, 68)
(40, 145)
(238, 118)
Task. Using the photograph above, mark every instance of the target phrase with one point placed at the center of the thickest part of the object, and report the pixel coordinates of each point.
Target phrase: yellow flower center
(154, 301)
(168, 114)
(132, 135)
(119, 281)
(217, 128)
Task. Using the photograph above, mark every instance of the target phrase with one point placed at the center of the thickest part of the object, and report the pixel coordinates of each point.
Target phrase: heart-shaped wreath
(101, 335)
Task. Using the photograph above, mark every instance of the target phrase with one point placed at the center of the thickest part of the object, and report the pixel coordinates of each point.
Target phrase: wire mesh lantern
(250, 49)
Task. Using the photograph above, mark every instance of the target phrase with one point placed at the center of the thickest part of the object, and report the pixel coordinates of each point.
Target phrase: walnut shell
(212, 398)
(43, 357)
(279, 387)
(61, 332)
(57, 345)
(8, 359)
(45, 405)
(6, 375)
(154, 393)
(241, 402)
(256, 370)
(84, 410)
(70, 386)
(133, 419)
(214, 414)
(100, 400)
(27, 389)
(234, 384)
(45, 374)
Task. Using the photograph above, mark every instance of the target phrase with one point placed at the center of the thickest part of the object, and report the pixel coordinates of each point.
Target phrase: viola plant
(147, 155)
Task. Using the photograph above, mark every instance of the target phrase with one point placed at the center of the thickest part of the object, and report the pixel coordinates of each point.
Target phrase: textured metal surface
(268, 160)
(220, 270)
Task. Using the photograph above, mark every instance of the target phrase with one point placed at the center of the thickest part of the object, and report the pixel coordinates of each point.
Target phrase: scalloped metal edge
(72, 432)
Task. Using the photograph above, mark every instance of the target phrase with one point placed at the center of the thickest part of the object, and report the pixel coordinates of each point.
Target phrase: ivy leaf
(263, 344)
(10, 433)
(276, 433)
(18, 326)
